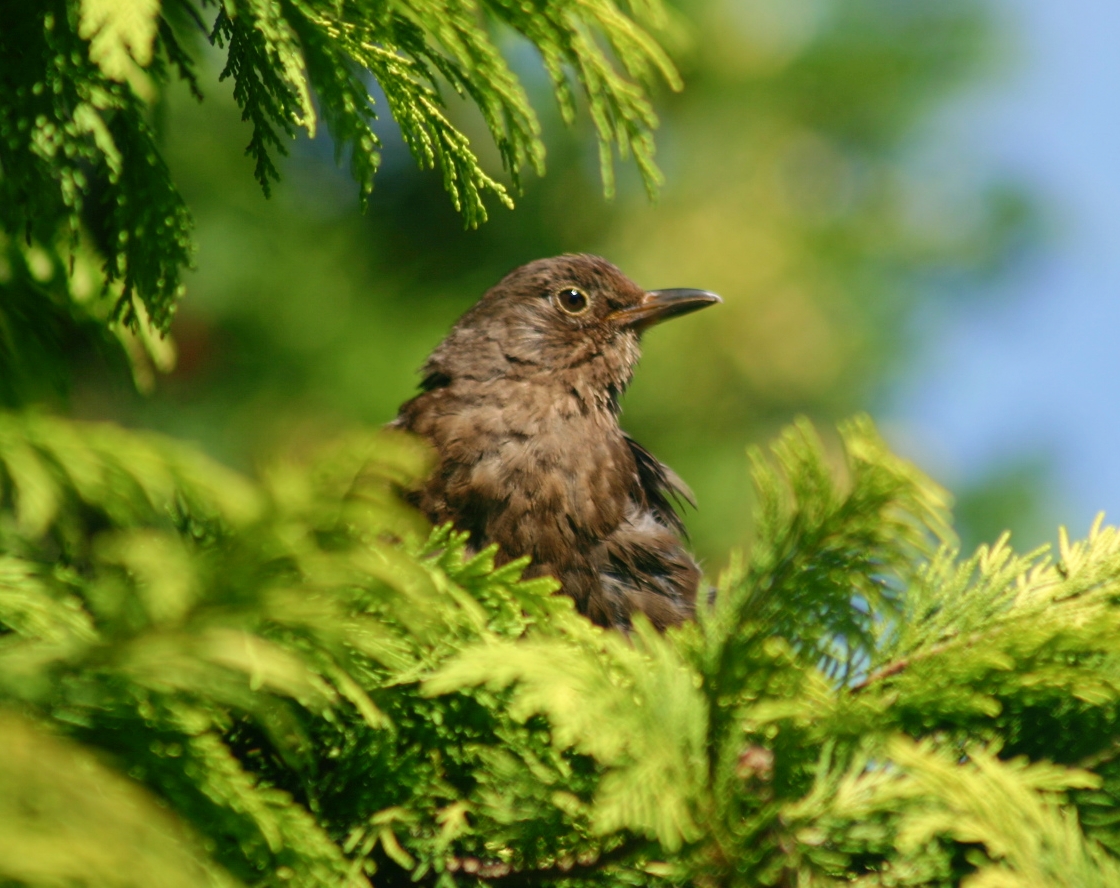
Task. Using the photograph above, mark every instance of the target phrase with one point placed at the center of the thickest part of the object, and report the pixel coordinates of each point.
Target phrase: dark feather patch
(664, 490)
(434, 379)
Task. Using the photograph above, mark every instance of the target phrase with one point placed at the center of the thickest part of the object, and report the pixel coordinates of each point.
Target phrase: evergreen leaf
(67, 818)
(120, 34)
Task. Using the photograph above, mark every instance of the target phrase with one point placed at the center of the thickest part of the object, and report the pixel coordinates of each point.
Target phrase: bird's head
(554, 315)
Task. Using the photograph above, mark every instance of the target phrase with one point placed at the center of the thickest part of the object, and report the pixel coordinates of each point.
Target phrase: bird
(520, 403)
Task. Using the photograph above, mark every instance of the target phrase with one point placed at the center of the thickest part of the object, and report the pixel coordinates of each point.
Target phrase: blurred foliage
(1009, 498)
(800, 187)
(211, 680)
(81, 169)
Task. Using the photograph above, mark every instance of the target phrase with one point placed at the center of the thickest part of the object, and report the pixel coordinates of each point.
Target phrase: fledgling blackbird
(520, 402)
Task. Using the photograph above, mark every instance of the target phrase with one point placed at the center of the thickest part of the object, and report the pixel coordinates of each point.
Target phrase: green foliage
(210, 680)
(800, 189)
(78, 152)
(80, 165)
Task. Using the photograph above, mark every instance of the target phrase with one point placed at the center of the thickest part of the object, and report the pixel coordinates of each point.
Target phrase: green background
(791, 190)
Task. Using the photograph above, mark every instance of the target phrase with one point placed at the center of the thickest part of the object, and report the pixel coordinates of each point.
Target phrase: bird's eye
(572, 301)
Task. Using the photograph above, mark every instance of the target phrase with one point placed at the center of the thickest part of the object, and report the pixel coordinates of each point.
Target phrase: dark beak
(659, 305)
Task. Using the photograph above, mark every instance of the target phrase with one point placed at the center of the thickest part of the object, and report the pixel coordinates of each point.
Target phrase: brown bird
(520, 402)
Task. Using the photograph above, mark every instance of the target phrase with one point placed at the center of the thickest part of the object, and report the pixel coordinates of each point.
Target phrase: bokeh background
(896, 199)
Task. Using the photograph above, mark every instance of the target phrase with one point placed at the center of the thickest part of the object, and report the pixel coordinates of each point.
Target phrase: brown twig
(885, 672)
(500, 873)
(497, 873)
(903, 663)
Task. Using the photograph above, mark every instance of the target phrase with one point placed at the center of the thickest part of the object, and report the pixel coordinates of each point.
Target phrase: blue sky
(1033, 369)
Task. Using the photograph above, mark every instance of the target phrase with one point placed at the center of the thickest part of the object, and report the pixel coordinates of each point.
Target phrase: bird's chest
(539, 471)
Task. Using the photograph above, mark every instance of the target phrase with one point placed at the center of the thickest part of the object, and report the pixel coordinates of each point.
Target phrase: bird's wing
(665, 492)
(643, 567)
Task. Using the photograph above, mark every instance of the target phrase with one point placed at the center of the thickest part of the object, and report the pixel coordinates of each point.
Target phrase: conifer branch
(78, 79)
(278, 673)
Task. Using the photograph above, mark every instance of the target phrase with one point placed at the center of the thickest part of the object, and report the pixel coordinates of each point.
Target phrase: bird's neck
(595, 382)
(592, 386)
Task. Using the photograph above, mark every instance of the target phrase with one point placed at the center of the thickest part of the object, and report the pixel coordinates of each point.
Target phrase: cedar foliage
(94, 222)
(207, 679)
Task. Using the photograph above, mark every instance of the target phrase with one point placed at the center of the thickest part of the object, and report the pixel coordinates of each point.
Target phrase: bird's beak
(659, 305)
